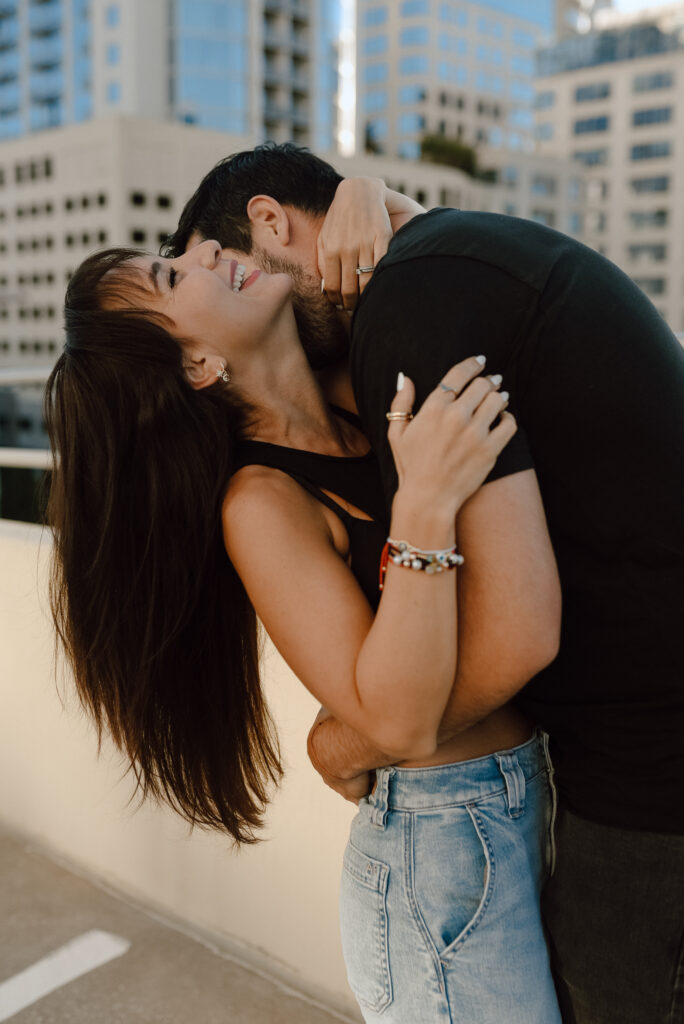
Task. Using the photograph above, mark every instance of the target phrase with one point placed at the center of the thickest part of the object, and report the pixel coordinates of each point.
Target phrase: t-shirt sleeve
(421, 317)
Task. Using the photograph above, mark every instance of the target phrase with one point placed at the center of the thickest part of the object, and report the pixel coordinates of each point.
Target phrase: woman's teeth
(239, 278)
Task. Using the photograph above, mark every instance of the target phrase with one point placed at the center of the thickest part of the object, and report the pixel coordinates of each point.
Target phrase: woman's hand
(446, 452)
(356, 233)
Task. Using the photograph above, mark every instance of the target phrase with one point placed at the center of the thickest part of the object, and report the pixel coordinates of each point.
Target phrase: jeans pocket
(363, 925)
(453, 876)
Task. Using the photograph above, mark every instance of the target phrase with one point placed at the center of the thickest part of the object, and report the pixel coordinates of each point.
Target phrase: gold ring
(403, 416)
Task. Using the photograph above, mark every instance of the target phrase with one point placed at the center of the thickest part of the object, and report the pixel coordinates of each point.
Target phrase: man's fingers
(366, 259)
(332, 277)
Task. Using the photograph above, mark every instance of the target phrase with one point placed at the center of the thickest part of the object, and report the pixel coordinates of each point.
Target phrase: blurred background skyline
(568, 112)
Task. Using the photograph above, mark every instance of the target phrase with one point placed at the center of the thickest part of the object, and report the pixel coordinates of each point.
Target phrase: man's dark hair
(290, 174)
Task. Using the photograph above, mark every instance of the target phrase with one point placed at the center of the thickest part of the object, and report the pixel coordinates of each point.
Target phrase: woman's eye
(172, 277)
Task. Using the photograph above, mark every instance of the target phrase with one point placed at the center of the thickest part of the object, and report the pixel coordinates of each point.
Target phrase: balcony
(272, 906)
(45, 18)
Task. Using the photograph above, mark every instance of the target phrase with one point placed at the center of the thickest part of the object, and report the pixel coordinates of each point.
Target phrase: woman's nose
(210, 253)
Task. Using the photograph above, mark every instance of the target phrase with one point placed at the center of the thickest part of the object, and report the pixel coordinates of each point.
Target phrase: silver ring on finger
(445, 387)
(364, 270)
(400, 415)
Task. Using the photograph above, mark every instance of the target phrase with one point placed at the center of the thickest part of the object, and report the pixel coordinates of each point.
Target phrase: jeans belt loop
(379, 798)
(514, 777)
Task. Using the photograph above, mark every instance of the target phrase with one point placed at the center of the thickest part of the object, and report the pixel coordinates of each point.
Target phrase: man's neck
(336, 385)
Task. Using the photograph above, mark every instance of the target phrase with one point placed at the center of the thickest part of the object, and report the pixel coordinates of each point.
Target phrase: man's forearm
(340, 752)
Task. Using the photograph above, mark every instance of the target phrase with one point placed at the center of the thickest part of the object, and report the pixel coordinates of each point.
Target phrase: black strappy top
(356, 479)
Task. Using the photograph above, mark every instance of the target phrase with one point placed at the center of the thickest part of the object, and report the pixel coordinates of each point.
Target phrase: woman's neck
(289, 405)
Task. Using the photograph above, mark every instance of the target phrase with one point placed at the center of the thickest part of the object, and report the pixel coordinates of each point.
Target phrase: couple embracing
(460, 517)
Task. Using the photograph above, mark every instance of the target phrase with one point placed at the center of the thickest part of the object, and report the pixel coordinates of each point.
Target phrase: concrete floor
(166, 977)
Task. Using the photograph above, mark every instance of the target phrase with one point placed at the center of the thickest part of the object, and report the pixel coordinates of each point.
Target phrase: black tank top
(356, 479)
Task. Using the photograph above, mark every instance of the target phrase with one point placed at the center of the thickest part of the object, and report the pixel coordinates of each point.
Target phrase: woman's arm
(358, 227)
(389, 677)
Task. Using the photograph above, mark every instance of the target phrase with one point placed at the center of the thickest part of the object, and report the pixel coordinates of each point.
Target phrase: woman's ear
(269, 220)
(199, 370)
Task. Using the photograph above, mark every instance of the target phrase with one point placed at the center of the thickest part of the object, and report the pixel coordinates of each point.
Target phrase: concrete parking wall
(276, 902)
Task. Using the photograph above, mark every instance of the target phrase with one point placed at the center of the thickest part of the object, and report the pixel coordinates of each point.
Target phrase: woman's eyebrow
(154, 276)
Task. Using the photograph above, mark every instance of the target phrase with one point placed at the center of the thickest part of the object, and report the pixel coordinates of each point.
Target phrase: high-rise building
(260, 69)
(613, 100)
(462, 69)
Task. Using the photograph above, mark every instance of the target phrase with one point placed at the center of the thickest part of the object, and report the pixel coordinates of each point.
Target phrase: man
(597, 384)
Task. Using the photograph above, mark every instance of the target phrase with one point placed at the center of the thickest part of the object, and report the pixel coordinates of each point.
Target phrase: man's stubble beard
(324, 339)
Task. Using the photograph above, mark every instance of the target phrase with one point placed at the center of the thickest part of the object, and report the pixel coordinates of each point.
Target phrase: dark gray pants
(614, 911)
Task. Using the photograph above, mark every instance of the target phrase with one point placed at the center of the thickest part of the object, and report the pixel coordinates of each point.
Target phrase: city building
(613, 101)
(462, 69)
(123, 181)
(266, 69)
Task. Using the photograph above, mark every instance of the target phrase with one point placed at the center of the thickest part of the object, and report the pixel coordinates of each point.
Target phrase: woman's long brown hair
(155, 622)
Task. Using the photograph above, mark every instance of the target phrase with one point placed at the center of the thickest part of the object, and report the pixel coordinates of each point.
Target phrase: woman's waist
(506, 727)
(461, 782)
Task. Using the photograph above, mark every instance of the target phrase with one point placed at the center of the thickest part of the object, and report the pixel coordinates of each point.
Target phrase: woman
(188, 425)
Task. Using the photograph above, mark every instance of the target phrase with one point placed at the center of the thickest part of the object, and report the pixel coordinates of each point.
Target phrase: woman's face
(210, 303)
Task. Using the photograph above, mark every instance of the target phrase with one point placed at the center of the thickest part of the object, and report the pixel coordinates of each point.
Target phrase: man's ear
(269, 221)
(199, 369)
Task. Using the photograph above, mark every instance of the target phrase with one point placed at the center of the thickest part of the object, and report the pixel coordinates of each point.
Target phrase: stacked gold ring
(403, 416)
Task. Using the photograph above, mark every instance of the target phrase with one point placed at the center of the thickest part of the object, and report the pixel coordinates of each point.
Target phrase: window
(591, 124)
(411, 7)
(113, 92)
(112, 16)
(409, 150)
(656, 115)
(374, 101)
(414, 65)
(138, 199)
(374, 16)
(650, 151)
(377, 128)
(591, 157)
(544, 131)
(545, 217)
(660, 183)
(655, 80)
(374, 45)
(656, 252)
(410, 123)
(575, 223)
(648, 218)
(596, 91)
(417, 35)
(410, 94)
(650, 285)
(113, 54)
(375, 73)
(543, 185)
(545, 100)
(138, 236)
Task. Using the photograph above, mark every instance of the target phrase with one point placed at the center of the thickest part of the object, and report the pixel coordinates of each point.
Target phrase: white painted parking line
(81, 955)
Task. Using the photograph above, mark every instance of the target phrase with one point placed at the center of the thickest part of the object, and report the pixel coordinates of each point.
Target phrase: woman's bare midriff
(505, 728)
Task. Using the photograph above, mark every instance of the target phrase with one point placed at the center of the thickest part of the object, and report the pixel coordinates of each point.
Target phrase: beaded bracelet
(407, 556)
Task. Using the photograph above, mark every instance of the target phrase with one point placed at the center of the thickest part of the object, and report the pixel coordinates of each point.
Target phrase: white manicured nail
(496, 379)
(505, 396)
(481, 360)
(322, 285)
(401, 380)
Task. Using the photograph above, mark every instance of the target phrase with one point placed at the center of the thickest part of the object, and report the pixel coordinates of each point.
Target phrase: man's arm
(509, 623)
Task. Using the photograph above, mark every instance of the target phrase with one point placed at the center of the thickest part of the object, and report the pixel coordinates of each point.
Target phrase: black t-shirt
(597, 384)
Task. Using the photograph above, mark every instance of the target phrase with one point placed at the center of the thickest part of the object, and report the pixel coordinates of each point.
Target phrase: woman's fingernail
(322, 285)
(401, 380)
(481, 360)
(496, 379)
(505, 396)
(341, 308)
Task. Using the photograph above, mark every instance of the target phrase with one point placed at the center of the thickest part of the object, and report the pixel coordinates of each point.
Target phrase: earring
(222, 373)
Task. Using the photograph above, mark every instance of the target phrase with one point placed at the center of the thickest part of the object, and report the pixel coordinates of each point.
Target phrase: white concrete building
(614, 101)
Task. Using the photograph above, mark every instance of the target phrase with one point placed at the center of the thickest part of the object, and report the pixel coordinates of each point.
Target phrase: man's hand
(343, 759)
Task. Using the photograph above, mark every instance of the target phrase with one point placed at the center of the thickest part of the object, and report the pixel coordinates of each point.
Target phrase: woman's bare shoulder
(260, 498)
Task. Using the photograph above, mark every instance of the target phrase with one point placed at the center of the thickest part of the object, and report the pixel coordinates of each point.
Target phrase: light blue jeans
(439, 904)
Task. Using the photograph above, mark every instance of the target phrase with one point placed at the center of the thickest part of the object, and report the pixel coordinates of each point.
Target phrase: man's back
(597, 382)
